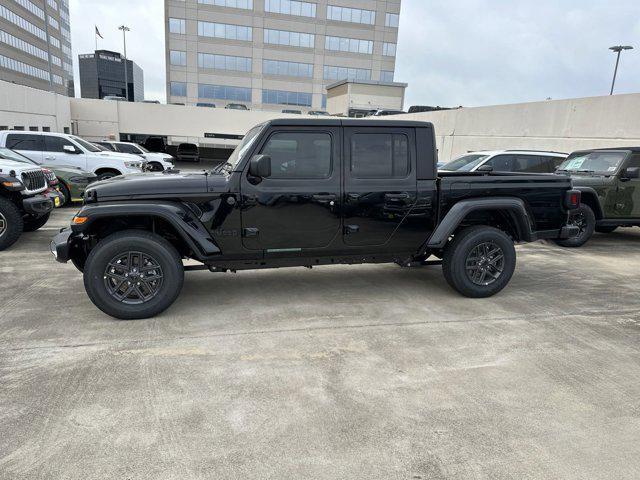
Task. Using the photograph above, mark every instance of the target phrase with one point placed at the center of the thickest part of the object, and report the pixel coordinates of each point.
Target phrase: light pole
(618, 49)
(125, 29)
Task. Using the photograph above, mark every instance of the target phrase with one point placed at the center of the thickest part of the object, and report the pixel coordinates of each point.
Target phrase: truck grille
(34, 180)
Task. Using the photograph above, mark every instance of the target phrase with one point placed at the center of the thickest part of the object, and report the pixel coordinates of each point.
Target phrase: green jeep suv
(609, 180)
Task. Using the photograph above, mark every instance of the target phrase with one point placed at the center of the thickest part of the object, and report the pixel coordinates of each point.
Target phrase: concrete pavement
(331, 373)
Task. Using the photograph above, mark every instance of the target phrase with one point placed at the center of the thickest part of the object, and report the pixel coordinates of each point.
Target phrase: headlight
(133, 164)
(78, 180)
(15, 185)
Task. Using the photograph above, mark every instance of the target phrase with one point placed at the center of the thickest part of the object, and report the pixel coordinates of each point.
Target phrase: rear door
(29, 145)
(380, 186)
(628, 195)
(298, 206)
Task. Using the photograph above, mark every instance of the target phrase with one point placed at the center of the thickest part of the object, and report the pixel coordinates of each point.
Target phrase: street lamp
(618, 49)
(125, 29)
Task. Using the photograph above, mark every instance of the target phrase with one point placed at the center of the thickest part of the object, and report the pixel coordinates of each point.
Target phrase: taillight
(572, 199)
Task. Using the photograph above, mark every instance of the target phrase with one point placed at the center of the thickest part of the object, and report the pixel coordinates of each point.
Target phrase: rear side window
(107, 145)
(532, 164)
(299, 155)
(375, 155)
(126, 148)
(56, 144)
(25, 142)
(502, 163)
(634, 161)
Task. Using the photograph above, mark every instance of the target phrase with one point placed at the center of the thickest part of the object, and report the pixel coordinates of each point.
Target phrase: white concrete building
(275, 54)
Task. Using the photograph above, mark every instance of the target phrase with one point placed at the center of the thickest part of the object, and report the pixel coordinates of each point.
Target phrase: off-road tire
(31, 224)
(457, 253)
(608, 229)
(148, 244)
(587, 224)
(11, 218)
(66, 192)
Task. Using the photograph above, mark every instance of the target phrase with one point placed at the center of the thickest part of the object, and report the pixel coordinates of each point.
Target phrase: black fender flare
(513, 205)
(179, 216)
(588, 191)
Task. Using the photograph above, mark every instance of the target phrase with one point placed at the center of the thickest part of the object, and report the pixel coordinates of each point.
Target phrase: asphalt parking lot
(373, 372)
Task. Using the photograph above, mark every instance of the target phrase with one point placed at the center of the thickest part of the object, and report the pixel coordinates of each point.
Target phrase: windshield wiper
(585, 171)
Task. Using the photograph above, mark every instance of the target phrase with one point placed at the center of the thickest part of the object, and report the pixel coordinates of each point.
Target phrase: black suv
(307, 192)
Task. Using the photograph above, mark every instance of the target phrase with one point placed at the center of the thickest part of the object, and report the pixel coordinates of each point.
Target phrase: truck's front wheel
(133, 274)
(479, 261)
(11, 223)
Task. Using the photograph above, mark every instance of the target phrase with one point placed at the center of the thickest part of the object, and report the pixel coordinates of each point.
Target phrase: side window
(56, 144)
(634, 161)
(126, 148)
(299, 155)
(531, 164)
(25, 142)
(502, 163)
(556, 162)
(375, 155)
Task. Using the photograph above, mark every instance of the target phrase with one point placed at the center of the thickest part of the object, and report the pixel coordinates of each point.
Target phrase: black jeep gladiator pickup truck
(307, 192)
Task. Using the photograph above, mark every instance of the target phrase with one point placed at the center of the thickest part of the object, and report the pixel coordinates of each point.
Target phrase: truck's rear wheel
(479, 261)
(133, 274)
(11, 223)
(583, 218)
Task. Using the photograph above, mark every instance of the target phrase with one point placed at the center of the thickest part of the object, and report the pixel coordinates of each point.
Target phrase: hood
(157, 156)
(141, 185)
(7, 166)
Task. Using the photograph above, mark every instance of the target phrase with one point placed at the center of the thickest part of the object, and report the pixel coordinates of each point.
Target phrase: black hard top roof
(346, 122)
(629, 149)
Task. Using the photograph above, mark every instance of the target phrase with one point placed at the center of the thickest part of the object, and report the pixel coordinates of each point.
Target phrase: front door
(55, 155)
(380, 186)
(298, 206)
(628, 195)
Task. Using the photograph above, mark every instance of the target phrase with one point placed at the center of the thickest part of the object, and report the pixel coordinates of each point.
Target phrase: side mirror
(70, 149)
(260, 166)
(632, 173)
(485, 169)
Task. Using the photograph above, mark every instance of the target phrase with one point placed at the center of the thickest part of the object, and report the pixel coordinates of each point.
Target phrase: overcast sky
(451, 52)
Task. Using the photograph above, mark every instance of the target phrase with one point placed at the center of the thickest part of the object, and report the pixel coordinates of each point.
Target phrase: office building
(274, 54)
(35, 44)
(102, 73)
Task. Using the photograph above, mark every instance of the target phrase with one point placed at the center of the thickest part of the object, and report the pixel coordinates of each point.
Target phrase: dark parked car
(308, 192)
(293, 112)
(609, 180)
(188, 152)
(236, 106)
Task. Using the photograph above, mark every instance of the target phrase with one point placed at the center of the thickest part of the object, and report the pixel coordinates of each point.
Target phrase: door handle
(351, 229)
(49, 158)
(353, 196)
(396, 196)
(324, 197)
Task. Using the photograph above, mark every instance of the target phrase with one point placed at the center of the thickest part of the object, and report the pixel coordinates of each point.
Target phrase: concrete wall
(30, 107)
(559, 125)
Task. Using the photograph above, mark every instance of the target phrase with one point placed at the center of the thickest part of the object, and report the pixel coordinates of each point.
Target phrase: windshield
(90, 147)
(465, 163)
(9, 154)
(596, 162)
(244, 145)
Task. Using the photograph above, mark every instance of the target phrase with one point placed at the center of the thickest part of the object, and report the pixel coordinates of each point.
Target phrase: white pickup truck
(59, 149)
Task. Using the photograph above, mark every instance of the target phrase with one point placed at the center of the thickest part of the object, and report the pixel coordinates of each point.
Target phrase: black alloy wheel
(133, 278)
(485, 263)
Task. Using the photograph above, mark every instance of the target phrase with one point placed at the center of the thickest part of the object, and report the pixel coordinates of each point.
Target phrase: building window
(32, 7)
(291, 39)
(280, 97)
(224, 92)
(57, 79)
(46, 129)
(54, 41)
(352, 45)
(21, 22)
(386, 76)
(324, 101)
(353, 15)
(178, 58)
(178, 25)
(243, 4)
(54, 23)
(33, 129)
(224, 62)
(225, 30)
(379, 156)
(289, 69)
(291, 7)
(20, 67)
(56, 60)
(22, 45)
(19, 128)
(178, 89)
(389, 49)
(392, 20)
(346, 73)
